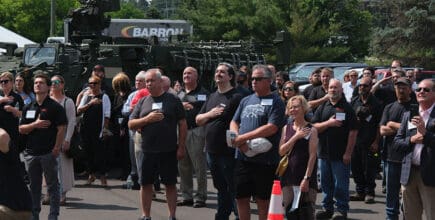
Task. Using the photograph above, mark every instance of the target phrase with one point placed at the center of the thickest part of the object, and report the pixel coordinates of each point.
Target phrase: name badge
(266, 101)
(340, 116)
(30, 114)
(369, 118)
(202, 97)
(157, 106)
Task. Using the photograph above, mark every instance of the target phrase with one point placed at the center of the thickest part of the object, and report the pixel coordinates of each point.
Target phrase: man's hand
(155, 116)
(419, 123)
(215, 112)
(65, 146)
(346, 158)
(8, 99)
(332, 122)
(41, 123)
(55, 151)
(181, 151)
(187, 106)
(239, 141)
(417, 138)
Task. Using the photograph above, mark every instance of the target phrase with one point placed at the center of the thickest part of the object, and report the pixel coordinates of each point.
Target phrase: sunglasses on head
(420, 89)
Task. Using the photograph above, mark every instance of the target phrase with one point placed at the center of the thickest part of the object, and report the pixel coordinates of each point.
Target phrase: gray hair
(141, 75)
(335, 80)
(264, 68)
(156, 71)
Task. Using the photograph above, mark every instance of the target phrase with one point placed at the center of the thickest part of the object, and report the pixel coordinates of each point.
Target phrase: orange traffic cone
(276, 210)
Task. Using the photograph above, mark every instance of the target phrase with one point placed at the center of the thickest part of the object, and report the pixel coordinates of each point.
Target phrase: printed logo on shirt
(253, 111)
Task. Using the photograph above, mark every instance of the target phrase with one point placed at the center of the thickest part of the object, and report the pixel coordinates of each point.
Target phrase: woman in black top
(95, 107)
(299, 141)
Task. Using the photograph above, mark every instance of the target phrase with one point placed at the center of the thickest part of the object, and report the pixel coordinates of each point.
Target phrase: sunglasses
(92, 83)
(288, 89)
(423, 90)
(363, 85)
(55, 82)
(258, 78)
(353, 75)
(4, 81)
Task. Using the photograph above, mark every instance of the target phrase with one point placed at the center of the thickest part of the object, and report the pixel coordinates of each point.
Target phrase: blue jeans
(222, 172)
(393, 170)
(334, 177)
(47, 165)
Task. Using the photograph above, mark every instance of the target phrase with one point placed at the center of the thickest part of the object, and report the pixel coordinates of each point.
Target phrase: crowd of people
(330, 132)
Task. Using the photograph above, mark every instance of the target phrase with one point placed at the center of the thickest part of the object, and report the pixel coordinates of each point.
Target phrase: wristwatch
(306, 178)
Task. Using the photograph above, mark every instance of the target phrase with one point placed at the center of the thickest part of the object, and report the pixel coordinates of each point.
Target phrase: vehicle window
(37, 55)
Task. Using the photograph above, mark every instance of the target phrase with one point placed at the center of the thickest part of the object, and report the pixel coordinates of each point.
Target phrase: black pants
(96, 152)
(364, 169)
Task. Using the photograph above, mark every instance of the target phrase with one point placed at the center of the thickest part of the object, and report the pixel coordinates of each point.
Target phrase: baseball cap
(403, 80)
(258, 146)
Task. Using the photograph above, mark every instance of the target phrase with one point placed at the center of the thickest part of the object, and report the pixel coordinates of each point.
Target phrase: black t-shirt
(307, 91)
(13, 191)
(317, 93)
(368, 115)
(393, 112)
(215, 129)
(7, 120)
(196, 98)
(161, 136)
(333, 141)
(386, 94)
(41, 141)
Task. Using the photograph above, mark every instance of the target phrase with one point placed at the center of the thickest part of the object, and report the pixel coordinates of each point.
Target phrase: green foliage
(408, 35)
(128, 10)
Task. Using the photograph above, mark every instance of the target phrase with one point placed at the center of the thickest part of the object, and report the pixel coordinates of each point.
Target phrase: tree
(408, 34)
(128, 10)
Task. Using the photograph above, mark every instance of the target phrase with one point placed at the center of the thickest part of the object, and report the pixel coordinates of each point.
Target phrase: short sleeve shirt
(7, 120)
(41, 141)
(254, 112)
(215, 129)
(196, 98)
(161, 136)
(368, 116)
(333, 141)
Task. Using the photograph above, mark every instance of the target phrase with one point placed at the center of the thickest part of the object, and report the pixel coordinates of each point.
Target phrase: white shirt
(416, 154)
(348, 90)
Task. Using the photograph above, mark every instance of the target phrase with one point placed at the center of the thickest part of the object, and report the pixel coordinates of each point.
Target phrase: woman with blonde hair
(299, 143)
(119, 124)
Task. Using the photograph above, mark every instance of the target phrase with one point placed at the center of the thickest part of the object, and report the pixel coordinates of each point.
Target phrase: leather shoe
(185, 203)
(199, 204)
(357, 197)
(324, 214)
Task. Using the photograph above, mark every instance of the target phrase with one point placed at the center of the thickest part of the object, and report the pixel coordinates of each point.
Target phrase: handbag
(283, 163)
(282, 166)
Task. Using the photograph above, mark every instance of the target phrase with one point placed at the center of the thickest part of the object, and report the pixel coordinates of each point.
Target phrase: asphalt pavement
(115, 203)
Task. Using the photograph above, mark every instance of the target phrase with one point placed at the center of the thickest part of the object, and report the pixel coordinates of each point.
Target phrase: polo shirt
(333, 141)
(41, 141)
(7, 120)
(196, 98)
(368, 120)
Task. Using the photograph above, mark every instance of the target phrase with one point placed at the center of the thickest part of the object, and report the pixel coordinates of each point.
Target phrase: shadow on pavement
(79, 205)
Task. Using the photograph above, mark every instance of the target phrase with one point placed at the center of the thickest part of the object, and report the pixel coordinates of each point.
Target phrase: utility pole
(52, 17)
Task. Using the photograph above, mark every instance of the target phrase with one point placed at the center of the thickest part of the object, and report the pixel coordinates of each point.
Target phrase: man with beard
(337, 125)
(314, 81)
(216, 116)
(390, 123)
(364, 163)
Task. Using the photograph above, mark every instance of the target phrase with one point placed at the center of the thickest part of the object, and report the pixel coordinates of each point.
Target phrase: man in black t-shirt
(364, 160)
(337, 125)
(156, 117)
(318, 95)
(216, 115)
(44, 122)
(389, 125)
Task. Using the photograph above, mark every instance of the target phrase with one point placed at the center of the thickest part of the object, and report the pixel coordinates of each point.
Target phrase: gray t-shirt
(254, 112)
(161, 136)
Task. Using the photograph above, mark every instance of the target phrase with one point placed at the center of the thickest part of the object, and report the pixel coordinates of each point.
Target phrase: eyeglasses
(6, 81)
(423, 89)
(92, 83)
(353, 75)
(364, 85)
(55, 82)
(288, 89)
(258, 78)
